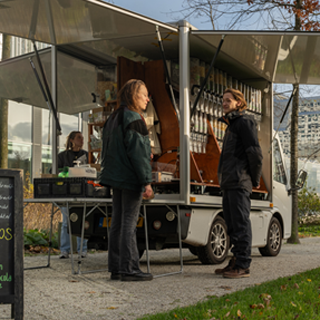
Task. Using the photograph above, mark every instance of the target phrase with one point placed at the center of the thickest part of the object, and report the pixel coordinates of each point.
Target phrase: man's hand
(148, 193)
(258, 187)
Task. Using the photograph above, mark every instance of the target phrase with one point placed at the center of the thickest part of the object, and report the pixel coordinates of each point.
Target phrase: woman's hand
(148, 193)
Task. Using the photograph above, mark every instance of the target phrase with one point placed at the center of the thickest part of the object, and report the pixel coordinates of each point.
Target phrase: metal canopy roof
(76, 81)
(59, 22)
(90, 33)
(87, 33)
(281, 57)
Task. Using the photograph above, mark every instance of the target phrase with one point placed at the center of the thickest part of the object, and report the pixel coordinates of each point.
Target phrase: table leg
(70, 239)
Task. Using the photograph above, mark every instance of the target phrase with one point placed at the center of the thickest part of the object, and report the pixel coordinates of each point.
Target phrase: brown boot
(229, 267)
(237, 273)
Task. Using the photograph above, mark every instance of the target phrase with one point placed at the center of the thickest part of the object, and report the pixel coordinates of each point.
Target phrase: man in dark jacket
(239, 170)
(126, 168)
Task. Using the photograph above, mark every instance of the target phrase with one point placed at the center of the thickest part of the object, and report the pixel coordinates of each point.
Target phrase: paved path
(53, 293)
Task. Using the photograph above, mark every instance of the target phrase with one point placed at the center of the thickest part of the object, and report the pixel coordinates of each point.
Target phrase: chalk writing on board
(6, 236)
(5, 197)
(6, 186)
(5, 216)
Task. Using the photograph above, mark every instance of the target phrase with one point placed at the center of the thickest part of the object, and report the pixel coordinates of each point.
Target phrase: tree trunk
(4, 111)
(294, 165)
(294, 148)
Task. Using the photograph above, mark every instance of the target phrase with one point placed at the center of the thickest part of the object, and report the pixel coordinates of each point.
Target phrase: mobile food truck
(97, 47)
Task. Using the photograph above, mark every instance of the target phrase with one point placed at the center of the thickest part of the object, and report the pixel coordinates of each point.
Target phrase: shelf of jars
(209, 107)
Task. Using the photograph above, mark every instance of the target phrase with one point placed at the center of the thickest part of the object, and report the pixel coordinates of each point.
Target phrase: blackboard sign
(6, 235)
(11, 240)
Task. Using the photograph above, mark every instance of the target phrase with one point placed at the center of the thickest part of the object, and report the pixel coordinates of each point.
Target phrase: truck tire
(216, 250)
(274, 239)
(193, 250)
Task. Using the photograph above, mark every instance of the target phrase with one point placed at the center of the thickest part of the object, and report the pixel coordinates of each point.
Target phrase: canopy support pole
(184, 104)
(167, 73)
(55, 103)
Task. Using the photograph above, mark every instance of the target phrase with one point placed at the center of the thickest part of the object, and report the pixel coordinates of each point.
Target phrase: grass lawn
(309, 231)
(296, 297)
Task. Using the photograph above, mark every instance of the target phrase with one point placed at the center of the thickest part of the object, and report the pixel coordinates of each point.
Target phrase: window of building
(68, 123)
(19, 122)
(46, 159)
(19, 157)
(46, 127)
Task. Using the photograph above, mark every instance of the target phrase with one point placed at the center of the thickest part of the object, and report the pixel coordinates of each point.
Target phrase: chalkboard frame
(16, 300)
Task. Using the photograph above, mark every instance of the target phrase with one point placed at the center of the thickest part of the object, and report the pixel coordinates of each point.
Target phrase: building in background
(309, 127)
(308, 135)
(29, 127)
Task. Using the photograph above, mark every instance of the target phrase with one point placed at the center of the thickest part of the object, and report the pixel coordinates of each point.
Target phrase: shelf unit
(109, 106)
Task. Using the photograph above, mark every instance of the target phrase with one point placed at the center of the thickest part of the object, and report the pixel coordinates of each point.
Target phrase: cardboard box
(48, 175)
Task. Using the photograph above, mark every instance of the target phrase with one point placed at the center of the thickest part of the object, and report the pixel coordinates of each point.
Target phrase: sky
(160, 10)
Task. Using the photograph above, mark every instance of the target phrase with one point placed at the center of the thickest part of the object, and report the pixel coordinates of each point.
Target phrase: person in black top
(239, 170)
(73, 151)
(67, 158)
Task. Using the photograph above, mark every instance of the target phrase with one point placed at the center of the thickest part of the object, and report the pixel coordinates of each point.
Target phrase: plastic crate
(68, 188)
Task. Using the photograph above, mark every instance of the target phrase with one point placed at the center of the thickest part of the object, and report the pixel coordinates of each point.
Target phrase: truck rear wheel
(193, 250)
(274, 239)
(216, 250)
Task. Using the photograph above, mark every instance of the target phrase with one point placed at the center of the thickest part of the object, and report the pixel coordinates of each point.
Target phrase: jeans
(236, 210)
(65, 238)
(123, 255)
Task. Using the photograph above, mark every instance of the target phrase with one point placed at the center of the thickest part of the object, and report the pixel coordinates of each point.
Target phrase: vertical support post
(146, 235)
(55, 101)
(271, 143)
(184, 106)
(80, 122)
(50, 237)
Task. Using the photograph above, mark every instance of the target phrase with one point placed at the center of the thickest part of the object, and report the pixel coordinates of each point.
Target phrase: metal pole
(54, 152)
(184, 105)
(146, 235)
(167, 73)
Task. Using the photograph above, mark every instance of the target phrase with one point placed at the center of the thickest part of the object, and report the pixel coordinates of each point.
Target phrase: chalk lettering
(6, 234)
(5, 216)
(9, 235)
(5, 197)
(0, 286)
(6, 277)
(6, 186)
(1, 267)
(5, 206)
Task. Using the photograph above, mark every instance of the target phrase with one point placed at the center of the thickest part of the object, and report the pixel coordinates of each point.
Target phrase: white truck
(95, 43)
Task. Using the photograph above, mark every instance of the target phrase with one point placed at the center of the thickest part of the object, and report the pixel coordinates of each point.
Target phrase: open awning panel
(76, 82)
(299, 59)
(60, 22)
(289, 57)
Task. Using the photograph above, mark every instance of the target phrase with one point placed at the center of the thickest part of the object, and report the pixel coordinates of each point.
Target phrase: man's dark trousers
(236, 210)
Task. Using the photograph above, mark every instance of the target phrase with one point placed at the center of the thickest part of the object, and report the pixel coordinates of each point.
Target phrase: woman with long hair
(67, 158)
(126, 168)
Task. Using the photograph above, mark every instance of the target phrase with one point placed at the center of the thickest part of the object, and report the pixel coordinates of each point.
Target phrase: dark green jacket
(125, 151)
